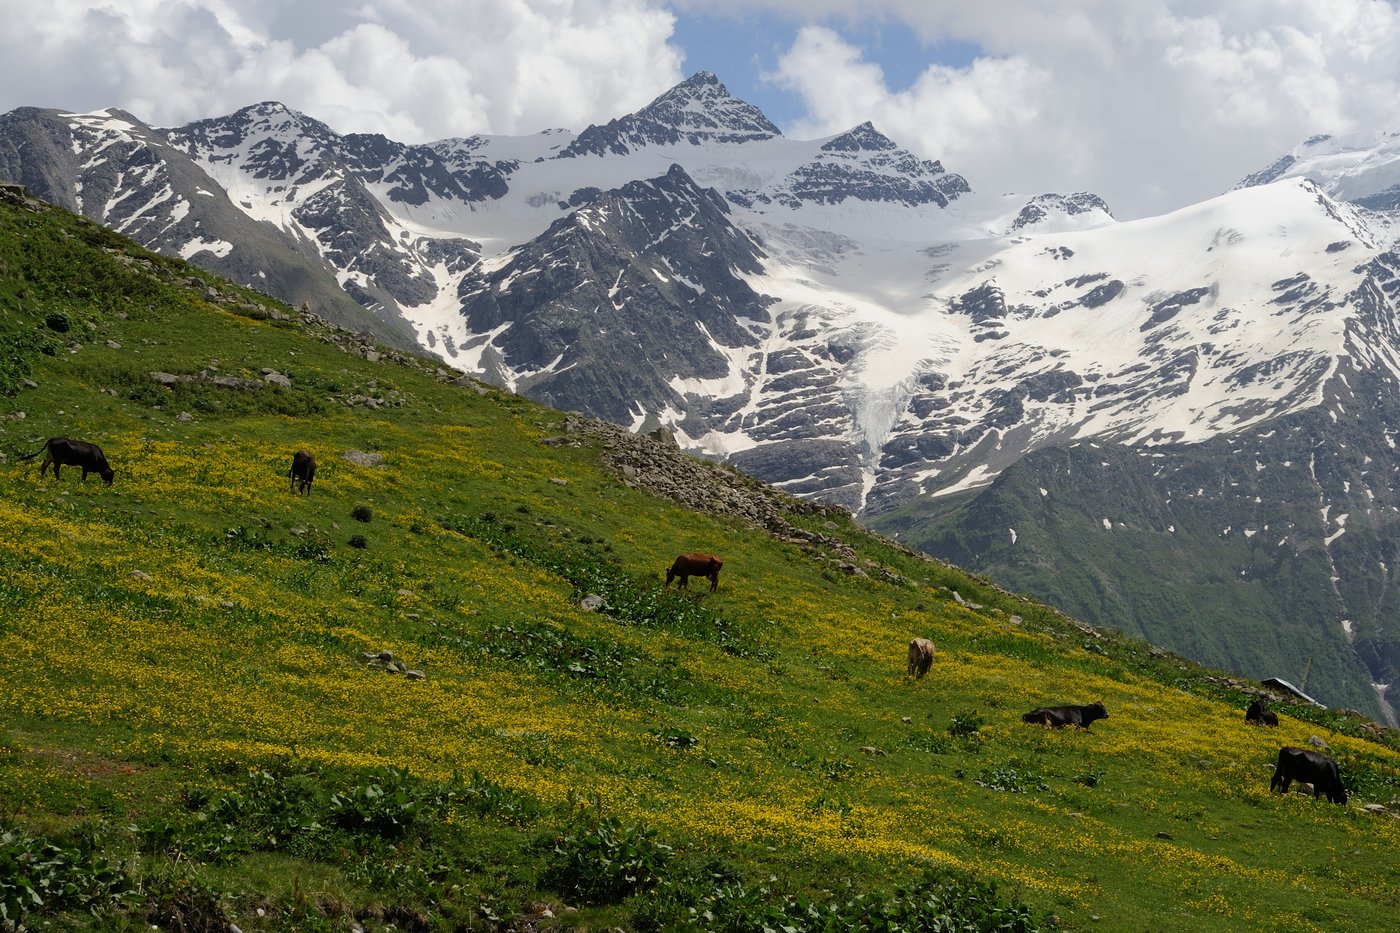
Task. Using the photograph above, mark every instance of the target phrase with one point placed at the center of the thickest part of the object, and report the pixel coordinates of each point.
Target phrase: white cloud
(1152, 104)
(413, 70)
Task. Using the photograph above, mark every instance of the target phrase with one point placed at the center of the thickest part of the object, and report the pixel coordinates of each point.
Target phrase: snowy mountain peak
(697, 111)
(861, 164)
(1362, 167)
(863, 138)
(1045, 213)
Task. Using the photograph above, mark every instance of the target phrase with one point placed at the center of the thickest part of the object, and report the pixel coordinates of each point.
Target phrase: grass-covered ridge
(191, 734)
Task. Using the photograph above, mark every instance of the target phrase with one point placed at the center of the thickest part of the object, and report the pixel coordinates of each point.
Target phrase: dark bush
(41, 876)
(601, 860)
(361, 513)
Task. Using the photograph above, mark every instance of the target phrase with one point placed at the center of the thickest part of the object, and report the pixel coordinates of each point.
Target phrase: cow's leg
(714, 581)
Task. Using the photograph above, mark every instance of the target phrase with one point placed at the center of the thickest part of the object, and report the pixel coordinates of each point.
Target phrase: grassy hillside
(192, 734)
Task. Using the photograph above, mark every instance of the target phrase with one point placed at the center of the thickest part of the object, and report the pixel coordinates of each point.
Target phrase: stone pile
(386, 662)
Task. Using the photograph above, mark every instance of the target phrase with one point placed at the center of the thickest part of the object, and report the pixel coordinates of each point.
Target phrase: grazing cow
(695, 565)
(1058, 716)
(921, 653)
(1315, 768)
(64, 451)
(1260, 714)
(303, 471)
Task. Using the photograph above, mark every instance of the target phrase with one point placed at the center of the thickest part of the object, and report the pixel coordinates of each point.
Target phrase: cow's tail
(37, 452)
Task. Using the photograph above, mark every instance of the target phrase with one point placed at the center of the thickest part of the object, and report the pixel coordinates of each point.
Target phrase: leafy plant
(966, 723)
(40, 876)
(602, 860)
(386, 805)
(1011, 779)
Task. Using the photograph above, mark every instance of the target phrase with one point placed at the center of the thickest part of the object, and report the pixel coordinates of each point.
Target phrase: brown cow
(64, 451)
(1058, 716)
(921, 653)
(695, 565)
(303, 471)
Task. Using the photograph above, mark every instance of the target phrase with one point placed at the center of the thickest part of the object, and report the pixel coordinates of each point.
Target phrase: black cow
(303, 471)
(1315, 768)
(64, 451)
(1059, 716)
(695, 565)
(1260, 714)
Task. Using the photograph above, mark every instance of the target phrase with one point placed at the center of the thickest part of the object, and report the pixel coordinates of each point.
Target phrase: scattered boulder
(386, 662)
(139, 575)
(235, 383)
(592, 602)
(363, 458)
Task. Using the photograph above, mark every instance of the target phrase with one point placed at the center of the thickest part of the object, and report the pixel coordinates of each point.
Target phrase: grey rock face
(1044, 206)
(648, 276)
(699, 109)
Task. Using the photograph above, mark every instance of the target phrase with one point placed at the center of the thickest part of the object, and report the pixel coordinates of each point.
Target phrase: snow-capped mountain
(851, 321)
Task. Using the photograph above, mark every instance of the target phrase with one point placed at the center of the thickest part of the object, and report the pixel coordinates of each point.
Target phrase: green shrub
(966, 723)
(387, 804)
(1012, 779)
(601, 860)
(358, 541)
(39, 876)
(941, 900)
(361, 513)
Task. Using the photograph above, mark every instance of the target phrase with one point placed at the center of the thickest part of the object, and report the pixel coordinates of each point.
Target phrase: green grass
(205, 739)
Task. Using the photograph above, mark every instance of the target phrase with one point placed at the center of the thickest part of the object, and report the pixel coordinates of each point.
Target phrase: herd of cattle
(1294, 764)
(1315, 769)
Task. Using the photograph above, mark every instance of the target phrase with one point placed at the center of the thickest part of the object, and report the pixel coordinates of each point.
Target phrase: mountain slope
(120, 172)
(186, 692)
(838, 316)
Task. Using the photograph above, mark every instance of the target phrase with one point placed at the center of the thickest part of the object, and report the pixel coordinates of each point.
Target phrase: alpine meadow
(445, 688)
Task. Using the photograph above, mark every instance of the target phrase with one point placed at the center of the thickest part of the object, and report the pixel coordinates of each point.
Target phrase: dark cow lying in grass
(1260, 714)
(921, 652)
(1060, 716)
(1315, 768)
(303, 471)
(64, 451)
(695, 565)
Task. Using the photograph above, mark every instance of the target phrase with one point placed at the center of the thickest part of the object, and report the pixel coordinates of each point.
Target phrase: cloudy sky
(1153, 104)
